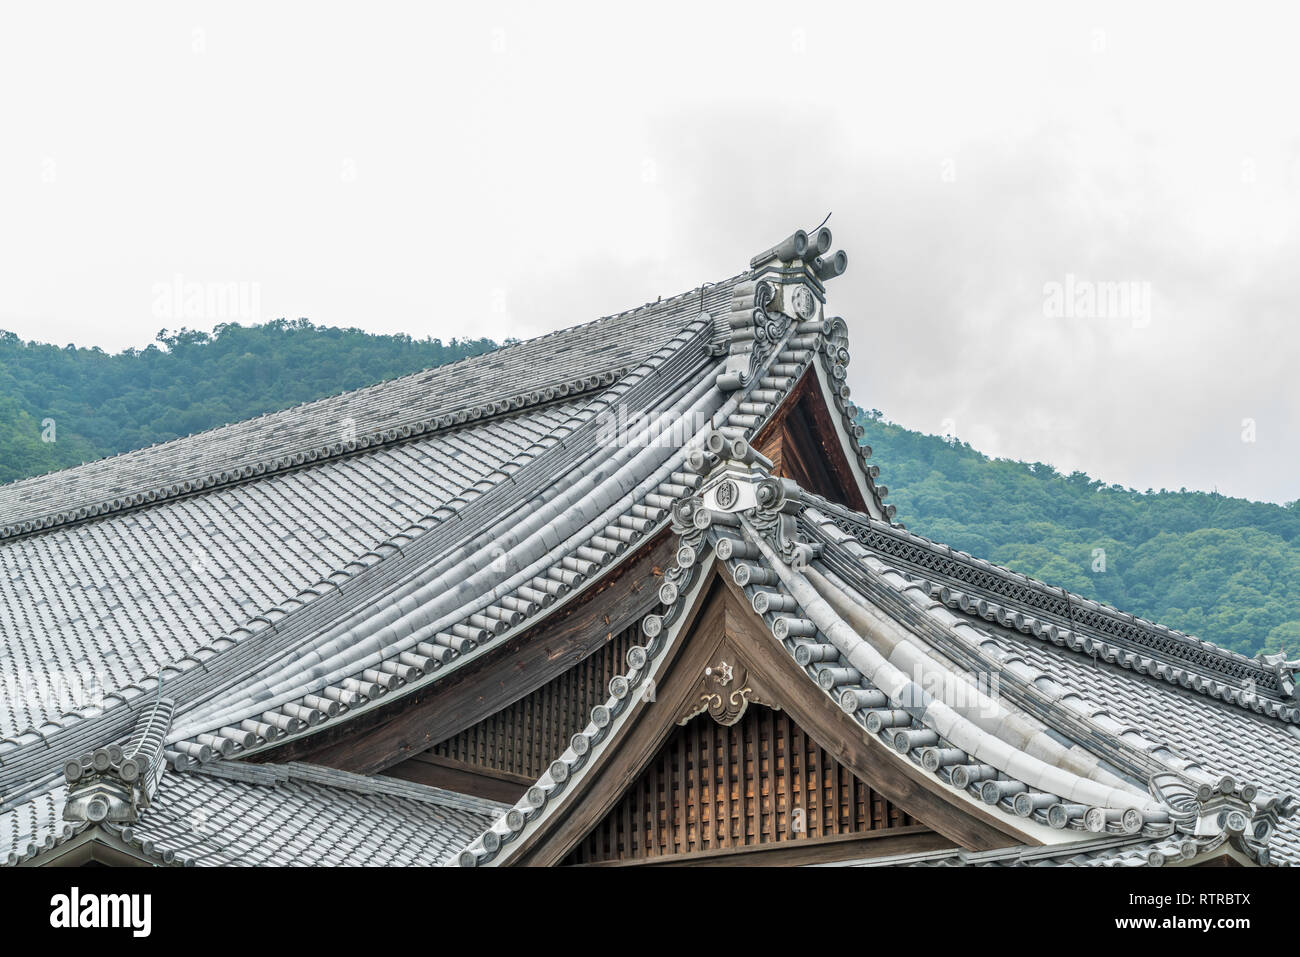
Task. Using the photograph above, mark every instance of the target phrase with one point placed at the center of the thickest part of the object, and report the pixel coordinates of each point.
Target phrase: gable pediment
(727, 683)
(749, 783)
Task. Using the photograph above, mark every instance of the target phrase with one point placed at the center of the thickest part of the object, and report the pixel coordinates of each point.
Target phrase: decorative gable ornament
(725, 690)
(786, 291)
(114, 783)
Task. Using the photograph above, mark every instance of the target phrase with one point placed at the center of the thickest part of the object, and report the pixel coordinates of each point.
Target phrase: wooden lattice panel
(523, 738)
(713, 788)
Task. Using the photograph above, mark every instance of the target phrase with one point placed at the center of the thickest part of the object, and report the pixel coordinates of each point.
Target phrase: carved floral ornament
(803, 302)
(725, 689)
(727, 493)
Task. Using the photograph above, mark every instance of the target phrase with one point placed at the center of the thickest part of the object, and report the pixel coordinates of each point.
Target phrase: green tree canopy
(1224, 569)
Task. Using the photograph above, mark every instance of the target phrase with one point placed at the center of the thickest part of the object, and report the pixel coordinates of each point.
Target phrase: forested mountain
(1221, 568)
(100, 404)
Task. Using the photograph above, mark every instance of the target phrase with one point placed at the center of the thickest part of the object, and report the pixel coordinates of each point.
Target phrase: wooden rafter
(375, 741)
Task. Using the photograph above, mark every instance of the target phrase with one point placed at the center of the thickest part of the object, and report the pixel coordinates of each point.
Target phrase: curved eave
(1086, 627)
(556, 791)
(478, 654)
(549, 796)
(782, 366)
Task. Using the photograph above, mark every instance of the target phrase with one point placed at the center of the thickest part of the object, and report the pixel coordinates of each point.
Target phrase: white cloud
(411, 168)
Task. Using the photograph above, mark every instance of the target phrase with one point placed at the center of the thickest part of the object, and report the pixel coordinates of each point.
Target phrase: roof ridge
(273, 775)
(790, 365)
(288, 456)
(270, 617)
(393, 787)
(575, 422)
(884, 676)
(267, 622)
(505, 346)
(288, 462)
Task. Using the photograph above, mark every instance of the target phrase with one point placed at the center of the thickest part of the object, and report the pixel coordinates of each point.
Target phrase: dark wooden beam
(376, 740)
(452, 775)
(911, 839)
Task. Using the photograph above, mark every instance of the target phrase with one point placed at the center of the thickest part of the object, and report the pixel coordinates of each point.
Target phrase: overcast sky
(509, 169)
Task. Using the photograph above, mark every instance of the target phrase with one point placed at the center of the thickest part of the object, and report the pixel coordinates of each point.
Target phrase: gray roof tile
(297, 815)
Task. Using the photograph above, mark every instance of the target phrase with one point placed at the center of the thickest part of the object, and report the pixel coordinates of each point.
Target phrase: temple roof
(1066, 732)
(129, 800)
(258, 815)
(572, 362)
(282, 576)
